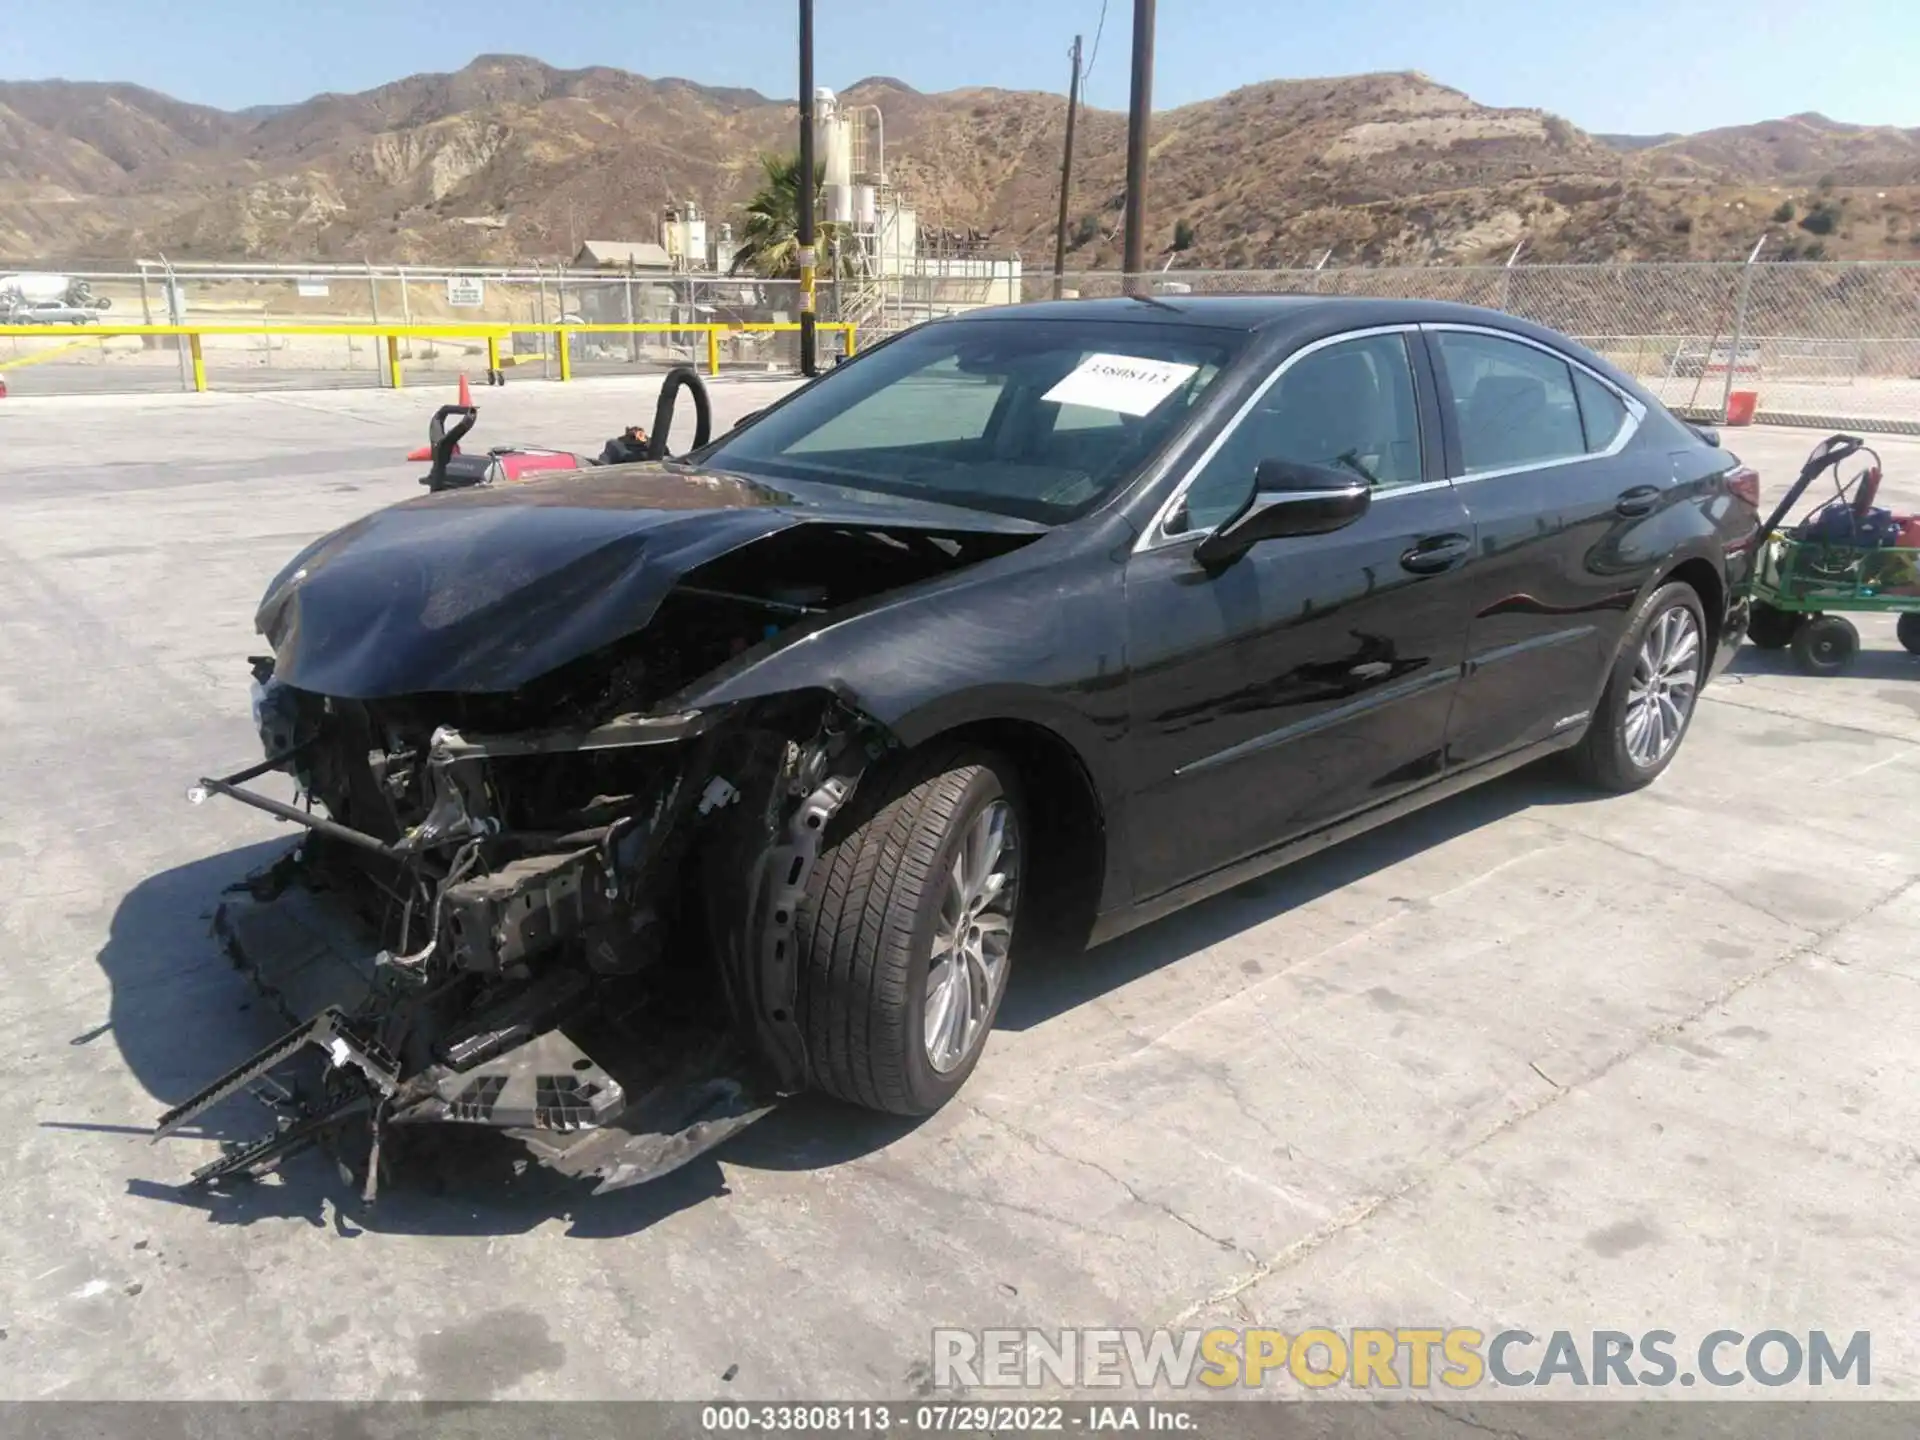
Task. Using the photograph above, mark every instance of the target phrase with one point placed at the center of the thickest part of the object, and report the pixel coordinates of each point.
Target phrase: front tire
(1908, 630)
(906, 933)
(1648, 704)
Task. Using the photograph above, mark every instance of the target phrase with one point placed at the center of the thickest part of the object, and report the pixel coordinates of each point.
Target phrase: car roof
(1287, 320)
(1245, 312)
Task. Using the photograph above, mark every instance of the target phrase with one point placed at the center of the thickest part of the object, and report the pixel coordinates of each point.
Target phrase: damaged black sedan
(637, 797)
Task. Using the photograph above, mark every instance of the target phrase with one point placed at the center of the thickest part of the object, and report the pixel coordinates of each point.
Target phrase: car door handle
(1640, 500)
(1436, 553)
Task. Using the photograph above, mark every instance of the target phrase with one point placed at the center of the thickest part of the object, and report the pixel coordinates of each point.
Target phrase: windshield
(1038, 419)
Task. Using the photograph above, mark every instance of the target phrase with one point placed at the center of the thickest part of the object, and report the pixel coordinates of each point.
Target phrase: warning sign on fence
(467, 292)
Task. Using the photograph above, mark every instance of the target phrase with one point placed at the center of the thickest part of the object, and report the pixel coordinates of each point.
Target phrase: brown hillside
(1376, 168)
(1799, 150)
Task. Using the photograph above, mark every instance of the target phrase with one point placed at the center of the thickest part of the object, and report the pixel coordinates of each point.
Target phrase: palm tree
(769, 243)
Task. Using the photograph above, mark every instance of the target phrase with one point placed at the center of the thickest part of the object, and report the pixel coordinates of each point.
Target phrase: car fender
(1023, 648)
(1692, 549)
(1023, 704)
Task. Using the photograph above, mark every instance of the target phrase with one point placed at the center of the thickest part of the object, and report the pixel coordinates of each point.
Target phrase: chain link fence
(1829, 344)
(295, 305)
(1832, 344)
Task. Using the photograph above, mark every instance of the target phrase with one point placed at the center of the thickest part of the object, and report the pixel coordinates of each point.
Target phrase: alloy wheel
(972, 935)
(1666, 681)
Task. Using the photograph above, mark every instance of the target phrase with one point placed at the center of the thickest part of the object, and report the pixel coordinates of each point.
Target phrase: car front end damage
(559, 899)
(506, 936)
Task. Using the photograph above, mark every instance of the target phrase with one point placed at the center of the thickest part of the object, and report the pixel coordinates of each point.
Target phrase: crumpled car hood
(485, 590)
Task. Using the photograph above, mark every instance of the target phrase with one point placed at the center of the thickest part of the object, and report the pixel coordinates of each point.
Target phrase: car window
(1038, 419)
(1514, 404)
(1601, 412)
(938, 402)
(1348, 407)
(1087, 417)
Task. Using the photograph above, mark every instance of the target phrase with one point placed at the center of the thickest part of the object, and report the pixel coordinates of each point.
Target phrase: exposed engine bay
(550, 894)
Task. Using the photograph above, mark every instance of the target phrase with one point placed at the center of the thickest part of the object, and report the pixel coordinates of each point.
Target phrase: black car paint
(1307, 681)
(1311, 679)
(1567, 552)
(1334, 679)
(483, 590)
(1222, 721)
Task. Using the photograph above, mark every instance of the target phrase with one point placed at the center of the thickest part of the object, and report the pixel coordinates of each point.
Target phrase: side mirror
(1288, 499)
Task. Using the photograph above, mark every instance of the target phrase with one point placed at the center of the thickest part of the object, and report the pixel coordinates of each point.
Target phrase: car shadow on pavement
(456, 1181)
(178, 1011)
(1060, 983)
(181, 1015)
(1876, 663)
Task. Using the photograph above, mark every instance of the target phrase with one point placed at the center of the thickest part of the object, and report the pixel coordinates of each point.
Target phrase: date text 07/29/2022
(944, 1417)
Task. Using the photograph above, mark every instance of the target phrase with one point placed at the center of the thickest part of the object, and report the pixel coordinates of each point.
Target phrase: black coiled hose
(679, 378)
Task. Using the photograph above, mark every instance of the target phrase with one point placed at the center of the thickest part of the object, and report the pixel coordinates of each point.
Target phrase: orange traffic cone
(466, 395)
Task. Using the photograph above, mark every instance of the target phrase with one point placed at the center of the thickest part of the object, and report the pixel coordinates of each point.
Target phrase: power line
(1094, 53)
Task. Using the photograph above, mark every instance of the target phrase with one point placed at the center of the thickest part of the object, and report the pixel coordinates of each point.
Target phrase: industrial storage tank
(833, 141)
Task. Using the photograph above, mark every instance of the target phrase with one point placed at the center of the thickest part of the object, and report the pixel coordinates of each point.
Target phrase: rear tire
(1772, 629)
(1908, 629)
(1826, 645)
(1648, 704)
(906, 931)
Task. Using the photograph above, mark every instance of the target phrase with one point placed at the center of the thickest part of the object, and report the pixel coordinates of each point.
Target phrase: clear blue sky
(1612, 65)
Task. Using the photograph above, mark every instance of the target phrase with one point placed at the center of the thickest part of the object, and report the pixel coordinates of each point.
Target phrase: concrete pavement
(1525, 1059)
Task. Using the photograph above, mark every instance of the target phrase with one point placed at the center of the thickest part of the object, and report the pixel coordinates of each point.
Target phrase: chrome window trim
(1636, 412)
(1416, 488)
(1155, 536)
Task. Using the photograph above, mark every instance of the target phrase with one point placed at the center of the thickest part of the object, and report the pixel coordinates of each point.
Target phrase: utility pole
(1066, 174)
(804, 238)
(1139, 117)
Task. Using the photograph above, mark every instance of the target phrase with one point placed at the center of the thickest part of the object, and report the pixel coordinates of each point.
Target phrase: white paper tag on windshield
(1120, 382)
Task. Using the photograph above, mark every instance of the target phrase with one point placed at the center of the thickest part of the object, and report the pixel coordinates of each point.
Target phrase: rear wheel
(1772, 629)
(1908, 630)
(1648, 704)
(1826, 645)
(906, 936)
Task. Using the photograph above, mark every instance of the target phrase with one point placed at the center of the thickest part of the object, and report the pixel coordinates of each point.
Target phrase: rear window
(1601, 412)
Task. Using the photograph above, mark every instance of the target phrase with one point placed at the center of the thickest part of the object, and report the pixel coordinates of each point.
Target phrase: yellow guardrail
(391, 335)
(37, 357)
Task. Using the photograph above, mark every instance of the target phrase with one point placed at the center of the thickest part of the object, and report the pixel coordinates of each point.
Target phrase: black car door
(1311, 677)
(1539, 448)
